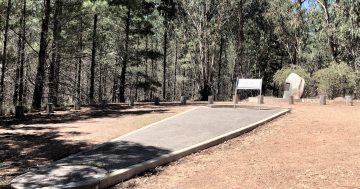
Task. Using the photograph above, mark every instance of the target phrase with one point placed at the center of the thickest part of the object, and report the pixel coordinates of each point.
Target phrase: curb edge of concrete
(121, 175)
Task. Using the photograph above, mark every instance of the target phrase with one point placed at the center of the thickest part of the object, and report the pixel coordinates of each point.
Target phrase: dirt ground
(311, 147)
(40, 139)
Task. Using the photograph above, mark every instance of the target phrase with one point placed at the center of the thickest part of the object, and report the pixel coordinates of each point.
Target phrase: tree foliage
(64, 51)
(336, 80)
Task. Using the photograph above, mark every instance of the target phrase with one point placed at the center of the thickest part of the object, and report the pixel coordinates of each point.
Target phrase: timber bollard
(211, 99)
(77, 105)
(322, 100)
(261, 99)
(183, 100)
(19, 112)
(157, 101)
(349, 100)
(291, 100)
(50, 108)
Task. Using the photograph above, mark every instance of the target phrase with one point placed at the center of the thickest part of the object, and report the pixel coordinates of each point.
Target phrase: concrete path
(156, 144)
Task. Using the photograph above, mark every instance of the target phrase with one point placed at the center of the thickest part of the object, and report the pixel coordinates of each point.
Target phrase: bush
(336, 80)
(281, 75)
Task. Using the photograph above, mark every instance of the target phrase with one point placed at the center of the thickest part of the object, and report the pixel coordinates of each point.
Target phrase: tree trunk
(40, 74)
(93, 61)
(4, 58)
(78, 67)
(124, 64)
(55, 62)
(22, 60)
(164, 61)
(175, 71)
(238, 71)
(220, 66)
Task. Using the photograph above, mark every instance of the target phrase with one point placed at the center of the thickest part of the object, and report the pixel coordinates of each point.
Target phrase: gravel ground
(312, 147)
(41, 139)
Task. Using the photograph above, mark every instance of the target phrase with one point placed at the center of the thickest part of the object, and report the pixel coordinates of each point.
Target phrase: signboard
(255, 84)
(247, 84)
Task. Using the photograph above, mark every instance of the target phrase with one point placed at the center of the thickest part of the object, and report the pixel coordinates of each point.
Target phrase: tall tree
(54, 68)
(93, 60)
(40, 74)
(4, 56)
(168, 9)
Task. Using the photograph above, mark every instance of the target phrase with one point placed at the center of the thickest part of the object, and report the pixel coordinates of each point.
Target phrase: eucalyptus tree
(289, 19)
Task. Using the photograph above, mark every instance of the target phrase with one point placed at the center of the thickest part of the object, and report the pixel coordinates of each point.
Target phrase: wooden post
(19, 112)
(211, 99)
(157, 101)
(131, 102)
(291, 100)
(322, 100)
(349, 100)
(77, 105)
(49, 108)
(183, 100)
(235, 99)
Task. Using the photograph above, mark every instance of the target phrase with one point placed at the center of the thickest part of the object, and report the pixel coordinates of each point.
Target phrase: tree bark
(93, 61)
(125, 60)
(238, 70)
(22, 60)
(4, 57)
(220, 65)
(40, 74)
(79, 65)
(164, 61)
(55, 62)
(175, 70)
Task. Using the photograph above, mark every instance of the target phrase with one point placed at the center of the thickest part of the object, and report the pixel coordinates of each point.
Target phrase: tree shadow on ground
(113, 111)
(21, 151)
(109, 157)
(117, 155)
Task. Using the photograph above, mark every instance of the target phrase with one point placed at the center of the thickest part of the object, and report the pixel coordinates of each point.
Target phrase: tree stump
(349, 100)
(322, 100)
(211, 99)
(19, 112)
(183, 100)
(235, 99)
(50, 108)
(291, 100)
(157, 101)
(261, 99)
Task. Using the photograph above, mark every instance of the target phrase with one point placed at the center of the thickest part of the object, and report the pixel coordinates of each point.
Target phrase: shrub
(281, 75)
(336, 80)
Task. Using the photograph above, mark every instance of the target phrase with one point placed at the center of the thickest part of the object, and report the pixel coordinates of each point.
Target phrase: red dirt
(311, 147)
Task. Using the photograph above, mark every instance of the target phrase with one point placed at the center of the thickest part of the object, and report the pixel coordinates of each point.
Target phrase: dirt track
(312, 147)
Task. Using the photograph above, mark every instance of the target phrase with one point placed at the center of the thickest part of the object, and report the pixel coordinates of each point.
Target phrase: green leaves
(281, 75)
(95, 6)
(336, 80)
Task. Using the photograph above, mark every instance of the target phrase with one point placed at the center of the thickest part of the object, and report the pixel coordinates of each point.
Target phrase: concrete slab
(157, 144)
(61, 177)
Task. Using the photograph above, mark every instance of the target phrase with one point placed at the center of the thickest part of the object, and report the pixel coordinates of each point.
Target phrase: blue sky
(306, 4)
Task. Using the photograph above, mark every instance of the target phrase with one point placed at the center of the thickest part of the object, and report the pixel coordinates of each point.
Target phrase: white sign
(255, 84)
